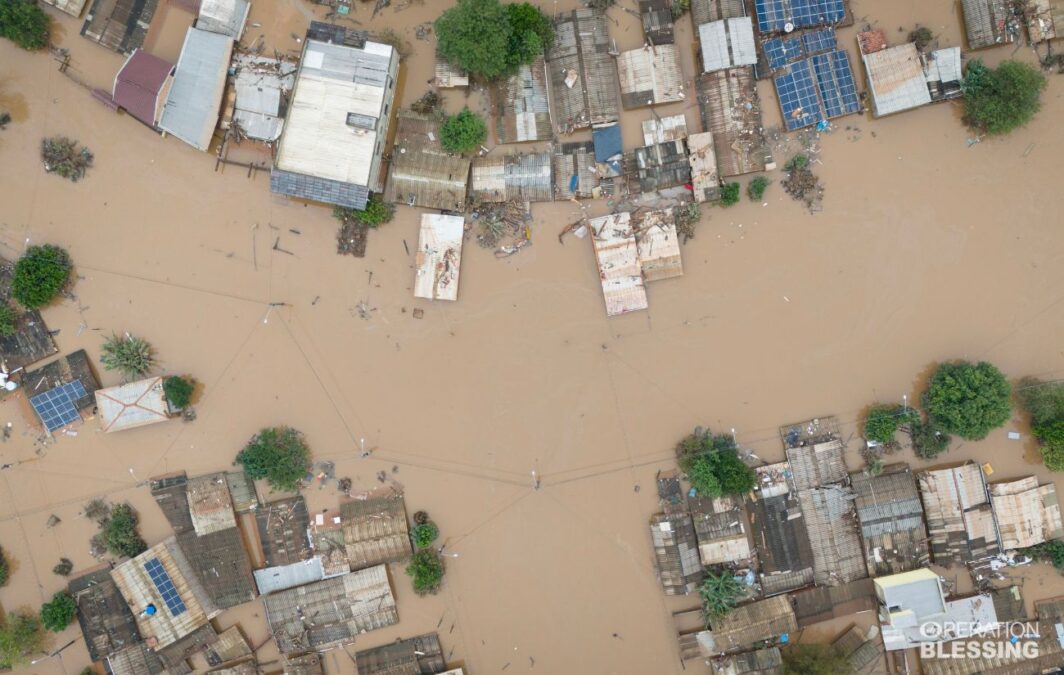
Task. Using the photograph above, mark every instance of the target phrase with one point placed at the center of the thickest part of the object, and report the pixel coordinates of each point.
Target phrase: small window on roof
(360, 121)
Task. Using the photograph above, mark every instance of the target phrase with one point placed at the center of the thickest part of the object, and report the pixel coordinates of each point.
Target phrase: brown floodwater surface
(926, 249)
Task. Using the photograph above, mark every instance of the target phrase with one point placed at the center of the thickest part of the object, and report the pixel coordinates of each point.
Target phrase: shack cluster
(814, 542)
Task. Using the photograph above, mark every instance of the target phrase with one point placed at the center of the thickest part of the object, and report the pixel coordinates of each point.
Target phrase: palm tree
(719, 592)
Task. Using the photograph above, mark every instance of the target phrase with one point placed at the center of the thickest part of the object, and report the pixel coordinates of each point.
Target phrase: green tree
(475, 36)
(1000, 100)
(713, 466)
(426, 571)
(120, 534)
(1051, 437)
(128, 354)
(756, 188)
(40, 274)
(799, 161)
(377, 213)
(531, 34)
(1051, 551)
(883, 422)
(729, 194)
(968, 399)
(8, 316)
(24, 23)
(1043, 401)
(5, 571)
(178, 391)
(700, 473)
(278, 454)
(814, 659)
(463, 132)
(57, 614)
(62, 157)
(21, 636)
(424, 534)
(720, 591)
(928, 440)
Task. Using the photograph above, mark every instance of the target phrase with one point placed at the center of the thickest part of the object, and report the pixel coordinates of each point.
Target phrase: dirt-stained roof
(421, 172)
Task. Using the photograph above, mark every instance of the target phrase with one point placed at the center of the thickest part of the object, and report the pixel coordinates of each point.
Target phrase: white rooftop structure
(727, 44)
(283, 577)
(260, 85)
(618, 261)
(664, 129)
(195, 99)
(1027, 513)
(703, 160)
(439, 257)
(225, 17)
(896, 79)
(130, 405)
(911, 601)
(337, 124)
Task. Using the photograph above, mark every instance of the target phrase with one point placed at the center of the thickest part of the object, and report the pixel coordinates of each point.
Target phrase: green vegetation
(489, 39)
(21, 636)
(119, 532)
(814, 659)
(278, 454)
(968, 399)
(680, 7)
(178, 391)
(928, 440)
(8, 316)
(713, 466)
(756, 188)
(57, 614)
(997, 101)
(128, 354)
(799, 161)
(1051, 551)
(5, 570)
(377, 213)
(463, 132)
(729, 194)
(883, 422)
(1044, 402)
(40, 274)
(922, 37)
(426, 571)
(1051, 437)
(62, 157)
(424, 534)
(24, 23)
(720, 591)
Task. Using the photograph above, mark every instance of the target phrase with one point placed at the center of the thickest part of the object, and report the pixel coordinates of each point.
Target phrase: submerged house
(779, 531)
(770, 620)
(343, 607)
(450, 77)
(61, 392)
(1027, 513)
(106, 622)
(413, 656)
(676, 551)
(705, 11)
(960, 519)
(170, 492)
(657, 167)
(282, 577)
(650, 75)
(209, 503)
(721, 531)
(617, 254)
(657, 19)
(438, 259)
(119, 25)
(137, 659)
(902, 78)
(583, 73)
(728, 43)
(989, 23)
(657, 244)
(520, 105)
(422, 173)
(911, 601)
(664, 129)
(892, 520)
(142, 86)
(30, 342)
(513, 178)
(783, 16)
(375, 530)
(131, 405)
(575, 172)
(815, 453)
(326, 535)
(1045, 19)
(225, 17)
(731, 111)
(860, 649)
(72, 7)
(838, 557)
(702, 157)
(333, 141)
(260, 89)
(193, 104)
(282, 527)
(816, 89)
(220, 563)
(824, 603)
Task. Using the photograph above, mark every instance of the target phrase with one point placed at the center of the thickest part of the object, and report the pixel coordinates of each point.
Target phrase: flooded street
(926, 250)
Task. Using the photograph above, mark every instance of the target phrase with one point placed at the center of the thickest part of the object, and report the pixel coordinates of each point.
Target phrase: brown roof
(421, 655)
(282, 526)
(731, 110)
(120, 25)
(375, 530)
(871, 41)
(422, 173)
(106, 622)
(139, 83)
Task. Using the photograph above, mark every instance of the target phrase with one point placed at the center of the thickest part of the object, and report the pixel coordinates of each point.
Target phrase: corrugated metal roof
(105, 620)
(986, 22)
(658, 245)
(282, 527)
(660, 166)
(959, 516)
(817, 464)
(896, 79)
(220, 563)
(575, 161)
(523, 177)
(618, 261)
(225, 17)
(664, 129)
(375, 530)
(193, 104)
(439, 257)
(731, 110)
(413, 656)
(262, 85)
(704, 11)
(1027, 513)
(131, 405)
(838, 556)
(317, 189)
(421, 172)
(580, 56)
(727, 44)
(676, 550)
(650, 75)
(450, 77)
(71, 7)
(140, 85)
(892, 520)
(657, 19)
(748, 624)
(137, 659)
(120, 25)
(520, 105)
(703, 160)
(282, 577)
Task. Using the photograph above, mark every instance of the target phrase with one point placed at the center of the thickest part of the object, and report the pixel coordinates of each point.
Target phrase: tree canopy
(8, 316)
(489, 39)
(120, 533)
(814, 659)
(720, 591)
(1044, 402)
(998, 100)
(178, 391)
(883, 422)
(40, 274)
(463, 132)
(968, 399)
(57, 614)
(278, 454)
(21, 636)
(128, 354)
(426, 571)
(24, 23)
(713, 466)
(377, 213)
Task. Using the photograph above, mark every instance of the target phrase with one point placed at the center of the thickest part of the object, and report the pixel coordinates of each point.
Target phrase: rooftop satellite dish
(788, 27)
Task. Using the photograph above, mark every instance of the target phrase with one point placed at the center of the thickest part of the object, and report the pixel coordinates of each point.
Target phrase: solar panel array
(819, 41)
(165, 585)
(56, 407)
(798, 97)
(774, 15)
(781, 51)
(835, 83)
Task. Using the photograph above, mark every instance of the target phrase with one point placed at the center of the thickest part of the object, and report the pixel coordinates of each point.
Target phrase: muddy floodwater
(927, 249)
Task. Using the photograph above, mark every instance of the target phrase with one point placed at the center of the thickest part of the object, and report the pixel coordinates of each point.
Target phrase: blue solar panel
(781, 51)
(819, 41)
(774, 15)
(56, 407)
(797, 94)
(835, 82)
(165, 585)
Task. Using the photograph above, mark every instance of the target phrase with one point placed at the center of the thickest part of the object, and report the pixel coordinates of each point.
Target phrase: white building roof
(260, 83)
(283, 577)
(225, 17)
(195, 99)
(896, 79)
(703, 160)
(618, 261)
(130, 405)
(727, 44)
(439, 257)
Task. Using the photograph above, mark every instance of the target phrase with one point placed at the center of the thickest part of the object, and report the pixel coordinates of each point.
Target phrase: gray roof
(283, 577)
(838, 557)
(987, 23)
(318, 189)
(220, 563)
(676, 549)
(192, 107)
(225, 17)
(581, 47)
(892, 520)
(413, 656)
(282, 527)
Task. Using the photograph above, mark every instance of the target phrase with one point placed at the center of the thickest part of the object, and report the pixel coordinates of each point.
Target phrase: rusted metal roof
(960, 519)
(504, 178)
(676, 549)
(618, 262)
(658, 244)
(1027, 513)
(583, 74)
(656, 16)
(892, 520)
(838, 557)
(421, 172)
(375, 530)
(703, 160)
(650, 75)
(520, 105)
(731, 110)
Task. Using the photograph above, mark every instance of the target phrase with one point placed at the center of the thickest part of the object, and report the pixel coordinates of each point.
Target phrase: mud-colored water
(927, 249)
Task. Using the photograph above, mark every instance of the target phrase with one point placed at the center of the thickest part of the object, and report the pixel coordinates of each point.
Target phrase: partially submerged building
(282, 527)
(106, 622)
(61, 392)
(960, 519)
(583, 73)
(307, 664)
(1027, 513)
(171, 494)
(131, 405)
(728, 43)
(526, 177)
(912, 601)
(422, 173)
(225, 17)
(617, 254)
(779, 531)
(72, 7)
(705, 11)
(450, 77)
(676, 551)
(31, 340)
(770, 620)
(901, 77)
(702, 157)
(375, 530)
(137, 659)
(282, 577)
(767, 661)
(575, 171)
(816, 89)
(657, 244)
(784, 16)
(658, 167)
(815, 453)
(333, 141)
(824, 603)
(721, 531)
(731, 111)
(438, 260)
(193, 104)
(242, 491)
(342, 608)
(261, 89)
(421, 655)
(657, 19)
(989, 22)
(209, 504)
(1045, 19)
(119, 25)
(220, 563)
(650, 75)
(892, 520)
(859, 648)
(659, 129)
(142, 86)
(230, 646)
(326, 535)
(521, 106)
(838, 557)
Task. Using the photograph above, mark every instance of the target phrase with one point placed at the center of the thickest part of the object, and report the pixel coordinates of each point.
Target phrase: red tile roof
(872, 41)
(138, 83)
